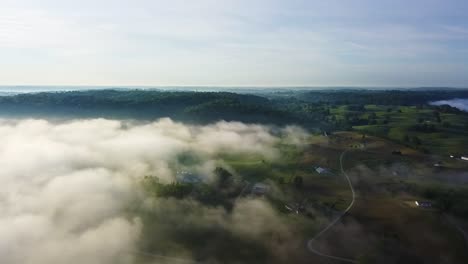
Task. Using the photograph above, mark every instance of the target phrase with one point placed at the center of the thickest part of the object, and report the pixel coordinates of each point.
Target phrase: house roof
(260, 187)
(320, 170)
(423, 203)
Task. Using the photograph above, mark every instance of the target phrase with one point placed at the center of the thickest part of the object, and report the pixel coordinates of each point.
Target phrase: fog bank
(461, 104)
(65, 187)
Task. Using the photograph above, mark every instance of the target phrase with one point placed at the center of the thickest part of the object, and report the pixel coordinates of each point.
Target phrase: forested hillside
(197, 107)
(315, 110)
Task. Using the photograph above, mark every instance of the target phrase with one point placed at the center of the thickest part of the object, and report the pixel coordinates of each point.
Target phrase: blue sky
(234, 43)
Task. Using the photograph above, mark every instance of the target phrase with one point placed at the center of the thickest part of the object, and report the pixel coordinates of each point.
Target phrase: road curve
(332, 223)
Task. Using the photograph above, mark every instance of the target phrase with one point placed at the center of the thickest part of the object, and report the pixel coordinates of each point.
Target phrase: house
(191, 179)
(423, 204)
(187, 177)
(260, 188)
(321, 170)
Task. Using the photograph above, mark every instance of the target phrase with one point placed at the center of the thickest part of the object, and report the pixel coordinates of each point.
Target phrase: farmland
(220, 177)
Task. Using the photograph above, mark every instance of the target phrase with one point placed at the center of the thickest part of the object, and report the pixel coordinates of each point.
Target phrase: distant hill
(382, 97)
(310, 109)
(195, 107)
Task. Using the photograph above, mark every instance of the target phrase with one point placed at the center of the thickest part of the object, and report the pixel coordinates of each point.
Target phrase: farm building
(424, 204)
(260, 188)
(187, 177)
(321, 170)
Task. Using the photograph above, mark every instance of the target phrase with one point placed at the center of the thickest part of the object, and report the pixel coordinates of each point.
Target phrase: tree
(298, 182)
(406, 138)
(416, 140)
(280, 180)
(223, 176)
(437, 116)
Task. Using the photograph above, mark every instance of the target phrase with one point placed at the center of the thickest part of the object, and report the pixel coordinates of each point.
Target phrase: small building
(260, 188)
(191, 179)
(321, 170)
(423, 204)
(187, 177)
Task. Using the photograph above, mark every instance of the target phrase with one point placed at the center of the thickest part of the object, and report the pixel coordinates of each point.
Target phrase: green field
(445, 135)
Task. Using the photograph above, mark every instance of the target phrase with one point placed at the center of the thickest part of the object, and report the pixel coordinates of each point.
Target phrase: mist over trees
(100, 191)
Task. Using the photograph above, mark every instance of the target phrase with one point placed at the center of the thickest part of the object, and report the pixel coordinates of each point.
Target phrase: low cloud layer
(461, 104)
(65, 187)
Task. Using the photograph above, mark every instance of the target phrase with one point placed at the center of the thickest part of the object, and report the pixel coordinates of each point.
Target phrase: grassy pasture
(397, 123)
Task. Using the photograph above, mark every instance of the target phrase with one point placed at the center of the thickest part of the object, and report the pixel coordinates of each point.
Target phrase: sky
(234, 42)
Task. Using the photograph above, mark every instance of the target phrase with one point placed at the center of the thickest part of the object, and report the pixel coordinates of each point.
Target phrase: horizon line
(237, 86)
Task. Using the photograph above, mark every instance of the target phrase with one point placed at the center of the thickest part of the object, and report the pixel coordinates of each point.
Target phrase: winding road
(332, 223)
